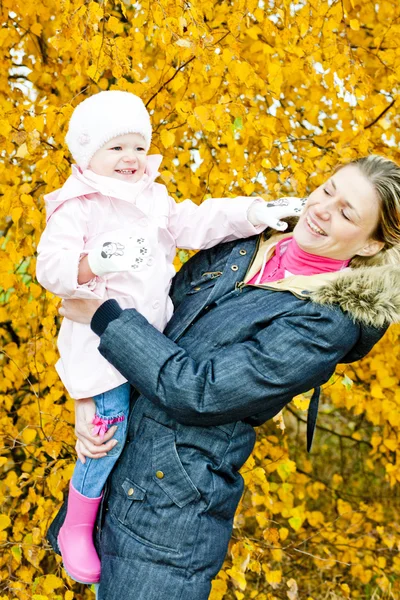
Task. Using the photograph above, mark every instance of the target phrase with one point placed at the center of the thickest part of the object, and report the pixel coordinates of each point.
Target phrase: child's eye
(345, 216)
(116, 148)
(326, 191)
(140, 149)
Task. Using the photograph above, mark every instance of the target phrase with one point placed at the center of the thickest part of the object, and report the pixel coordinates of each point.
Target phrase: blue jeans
(89, 478)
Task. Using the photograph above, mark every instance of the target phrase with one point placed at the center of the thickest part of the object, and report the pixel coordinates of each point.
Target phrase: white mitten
(116, 257)
(270, 213)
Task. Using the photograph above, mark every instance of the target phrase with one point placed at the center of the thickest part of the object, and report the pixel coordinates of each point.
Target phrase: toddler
(112, 232)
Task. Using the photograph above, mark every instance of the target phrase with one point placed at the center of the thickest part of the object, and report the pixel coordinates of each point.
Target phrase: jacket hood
(370, 294)
(85, 183)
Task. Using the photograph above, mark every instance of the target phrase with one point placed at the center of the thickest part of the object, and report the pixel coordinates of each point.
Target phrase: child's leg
(112, 408)
(75, 539)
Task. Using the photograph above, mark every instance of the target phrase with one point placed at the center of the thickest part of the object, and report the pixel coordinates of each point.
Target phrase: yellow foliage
(245, 97)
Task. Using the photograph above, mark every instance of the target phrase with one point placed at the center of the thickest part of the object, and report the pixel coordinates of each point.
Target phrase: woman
(256, 322)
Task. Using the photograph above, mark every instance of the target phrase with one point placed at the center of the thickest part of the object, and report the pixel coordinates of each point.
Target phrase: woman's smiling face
(340, 217)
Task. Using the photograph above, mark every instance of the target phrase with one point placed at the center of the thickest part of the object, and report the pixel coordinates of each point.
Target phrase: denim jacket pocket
(158, 502)
(169, 473)
(206, 281)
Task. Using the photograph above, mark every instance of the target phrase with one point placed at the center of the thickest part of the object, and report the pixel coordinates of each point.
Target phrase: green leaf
(347, 382)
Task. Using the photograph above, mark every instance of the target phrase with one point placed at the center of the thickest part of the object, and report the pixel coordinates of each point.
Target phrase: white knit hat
(103, 116)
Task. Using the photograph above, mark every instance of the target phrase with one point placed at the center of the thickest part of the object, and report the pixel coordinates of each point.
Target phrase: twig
(381, 114)
(324, 559)
(169, 80)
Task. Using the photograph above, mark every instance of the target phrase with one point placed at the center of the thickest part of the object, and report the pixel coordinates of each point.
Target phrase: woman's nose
(323, 211)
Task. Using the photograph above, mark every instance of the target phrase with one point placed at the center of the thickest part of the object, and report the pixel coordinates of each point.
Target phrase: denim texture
(232, 359)
(89, 478)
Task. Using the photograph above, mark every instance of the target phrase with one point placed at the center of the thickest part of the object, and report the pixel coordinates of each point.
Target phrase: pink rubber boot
(75, 538)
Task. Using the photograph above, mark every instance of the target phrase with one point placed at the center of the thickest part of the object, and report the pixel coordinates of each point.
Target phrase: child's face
(123, 158)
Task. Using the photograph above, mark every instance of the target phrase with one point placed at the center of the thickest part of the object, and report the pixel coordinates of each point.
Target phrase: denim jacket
(239, 352)
(233, 355)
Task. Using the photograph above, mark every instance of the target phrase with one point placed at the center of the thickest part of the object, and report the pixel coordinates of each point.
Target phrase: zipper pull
(239, 285)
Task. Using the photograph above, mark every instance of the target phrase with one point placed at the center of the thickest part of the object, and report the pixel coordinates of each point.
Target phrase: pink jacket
(89, 210)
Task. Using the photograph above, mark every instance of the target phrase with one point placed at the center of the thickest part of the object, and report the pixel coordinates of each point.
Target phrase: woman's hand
(80, 311)
(92, 446)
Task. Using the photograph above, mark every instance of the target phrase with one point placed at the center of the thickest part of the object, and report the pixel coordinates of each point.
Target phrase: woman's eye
(326, 192)
(140, 149)
(345, 216)
(117, 148)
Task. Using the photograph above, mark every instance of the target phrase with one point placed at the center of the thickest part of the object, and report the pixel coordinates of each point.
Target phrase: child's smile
(123, 157)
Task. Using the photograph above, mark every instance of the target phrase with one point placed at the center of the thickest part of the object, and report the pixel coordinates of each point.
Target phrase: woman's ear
(371, 248)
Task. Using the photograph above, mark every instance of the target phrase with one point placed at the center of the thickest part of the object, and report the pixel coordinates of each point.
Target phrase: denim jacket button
(234, 267)
(131, 491)
(197, 289)
(242, 252)
(159, 474)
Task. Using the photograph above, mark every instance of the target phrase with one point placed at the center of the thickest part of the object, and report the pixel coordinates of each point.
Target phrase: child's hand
(89, 445)
(118, 256)
(270, 213)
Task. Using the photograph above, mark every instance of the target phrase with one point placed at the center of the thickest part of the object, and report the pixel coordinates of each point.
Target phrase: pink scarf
(290, 259)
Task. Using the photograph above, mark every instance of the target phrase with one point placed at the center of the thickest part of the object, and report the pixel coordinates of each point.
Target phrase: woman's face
(340, 217)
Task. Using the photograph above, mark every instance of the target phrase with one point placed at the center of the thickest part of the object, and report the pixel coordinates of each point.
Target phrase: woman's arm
(259, 375)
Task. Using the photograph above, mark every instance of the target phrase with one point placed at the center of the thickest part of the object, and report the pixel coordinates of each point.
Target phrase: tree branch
(381, 114)
(169, 80)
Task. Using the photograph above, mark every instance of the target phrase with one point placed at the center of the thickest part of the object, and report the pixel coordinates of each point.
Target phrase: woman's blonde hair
(384, 175)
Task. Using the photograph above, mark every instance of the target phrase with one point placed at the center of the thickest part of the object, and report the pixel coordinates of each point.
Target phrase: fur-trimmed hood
(370, 294)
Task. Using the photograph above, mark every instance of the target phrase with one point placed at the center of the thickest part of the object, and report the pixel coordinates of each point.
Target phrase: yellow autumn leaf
(22, 151)
(183, 43)
(210, 126)
(274, 577)
(301, 402)
(354, 24)
(115, 25)
(36, 28)
(93, 72)
(283, 533)
(167, 138)
(36, 290)
(28, 435)
(391, 444)
(51, 582)
(238, 577)
(5, 521)
(202, 113)
(7, 280)
(303, 28)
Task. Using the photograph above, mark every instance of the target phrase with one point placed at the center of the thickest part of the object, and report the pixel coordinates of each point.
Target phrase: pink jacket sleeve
(215, 220)
(59, 252)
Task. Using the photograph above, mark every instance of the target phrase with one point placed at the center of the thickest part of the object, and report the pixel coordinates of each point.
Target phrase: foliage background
(246, 96)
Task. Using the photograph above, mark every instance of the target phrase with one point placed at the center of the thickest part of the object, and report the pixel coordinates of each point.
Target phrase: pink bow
(100, 426)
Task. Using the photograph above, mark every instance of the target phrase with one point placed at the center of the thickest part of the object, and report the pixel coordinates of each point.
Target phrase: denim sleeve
(259, 375)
